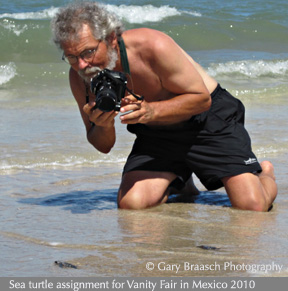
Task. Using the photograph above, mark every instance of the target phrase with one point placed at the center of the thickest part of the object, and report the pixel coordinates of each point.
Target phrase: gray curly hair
(70, 19)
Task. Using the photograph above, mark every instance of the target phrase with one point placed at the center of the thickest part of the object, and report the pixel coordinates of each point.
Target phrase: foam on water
(43, 14)
(128, 13)
(7, 72)
(251, 68)
(141, 14)
(68, 162)
(15, 28)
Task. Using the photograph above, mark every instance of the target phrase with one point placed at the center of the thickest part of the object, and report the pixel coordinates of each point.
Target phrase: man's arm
(177, 75)
(99, 125)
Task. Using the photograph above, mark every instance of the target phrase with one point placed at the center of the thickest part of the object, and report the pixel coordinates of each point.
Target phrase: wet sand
(85, 228)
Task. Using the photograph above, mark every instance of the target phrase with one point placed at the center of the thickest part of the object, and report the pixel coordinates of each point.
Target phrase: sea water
(58, 194)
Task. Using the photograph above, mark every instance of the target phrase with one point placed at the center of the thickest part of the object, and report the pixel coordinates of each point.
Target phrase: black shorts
(213, 145)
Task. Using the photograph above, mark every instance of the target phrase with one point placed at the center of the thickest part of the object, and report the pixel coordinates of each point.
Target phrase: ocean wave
(15, 28)
(43, 14)
(142, 14)
(129, 13)
(71, 162)
(250, 68)
(7, 72)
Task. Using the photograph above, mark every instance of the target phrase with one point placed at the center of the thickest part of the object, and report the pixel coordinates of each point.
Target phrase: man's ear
(112, 39)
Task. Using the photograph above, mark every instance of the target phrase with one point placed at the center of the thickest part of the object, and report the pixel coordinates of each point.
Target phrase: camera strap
(125, 64)
(123, 55)
(139, 98)
(87, 93)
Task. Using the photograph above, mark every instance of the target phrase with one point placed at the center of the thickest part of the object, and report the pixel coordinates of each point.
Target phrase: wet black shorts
(213, 145)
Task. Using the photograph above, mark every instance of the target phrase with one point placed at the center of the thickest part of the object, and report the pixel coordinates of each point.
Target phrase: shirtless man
(186, 123)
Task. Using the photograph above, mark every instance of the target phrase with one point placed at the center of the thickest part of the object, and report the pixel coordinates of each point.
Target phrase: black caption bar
(144, 284)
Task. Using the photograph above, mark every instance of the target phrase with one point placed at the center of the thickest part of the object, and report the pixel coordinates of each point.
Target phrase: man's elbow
(104, 149)
(206, 102)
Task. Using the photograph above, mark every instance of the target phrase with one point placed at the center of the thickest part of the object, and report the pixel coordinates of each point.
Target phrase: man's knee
(132, 200)
(252, 203)
(141, 198)
(246, 192)
(142, 189)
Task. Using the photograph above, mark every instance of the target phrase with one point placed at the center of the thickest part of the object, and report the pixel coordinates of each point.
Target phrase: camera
(109, 88)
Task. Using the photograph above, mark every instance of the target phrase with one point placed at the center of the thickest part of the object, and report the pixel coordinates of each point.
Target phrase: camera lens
(106, 100)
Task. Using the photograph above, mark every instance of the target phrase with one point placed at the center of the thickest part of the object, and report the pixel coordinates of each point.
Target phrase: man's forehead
(83, 37)
(84, 33)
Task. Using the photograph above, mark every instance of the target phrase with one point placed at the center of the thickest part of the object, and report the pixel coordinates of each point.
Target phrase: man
(186, 123)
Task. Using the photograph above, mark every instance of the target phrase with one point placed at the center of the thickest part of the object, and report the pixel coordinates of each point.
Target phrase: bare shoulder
(144, 34)
(78, 89)
(77, 86)
(159, 51)
(148, 41)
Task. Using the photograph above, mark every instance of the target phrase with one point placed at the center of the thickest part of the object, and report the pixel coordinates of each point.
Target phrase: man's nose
(81, 64)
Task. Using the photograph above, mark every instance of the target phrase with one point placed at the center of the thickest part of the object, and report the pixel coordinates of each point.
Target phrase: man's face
(90, 72)
(89, 64)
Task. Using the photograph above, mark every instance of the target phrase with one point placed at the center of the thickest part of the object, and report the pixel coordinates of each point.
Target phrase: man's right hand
(98, 117)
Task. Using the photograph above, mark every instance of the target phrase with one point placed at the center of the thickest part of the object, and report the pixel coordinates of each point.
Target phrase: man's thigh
(142, 189)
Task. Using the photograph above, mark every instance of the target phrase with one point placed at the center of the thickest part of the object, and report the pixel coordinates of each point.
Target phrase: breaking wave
(7, 72)
(128, 13)
(251, 68)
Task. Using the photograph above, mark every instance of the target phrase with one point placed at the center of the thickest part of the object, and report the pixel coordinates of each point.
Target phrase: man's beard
(112, 56)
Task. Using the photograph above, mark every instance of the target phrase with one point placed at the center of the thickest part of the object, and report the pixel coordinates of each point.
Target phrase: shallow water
(72, 216)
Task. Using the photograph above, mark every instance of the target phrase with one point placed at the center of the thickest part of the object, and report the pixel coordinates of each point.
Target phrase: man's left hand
(135, 111)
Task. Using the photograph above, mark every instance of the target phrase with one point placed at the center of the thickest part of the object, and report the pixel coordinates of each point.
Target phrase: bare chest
(146, 83)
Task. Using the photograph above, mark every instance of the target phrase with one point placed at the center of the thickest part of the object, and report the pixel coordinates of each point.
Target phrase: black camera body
(109, 88)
